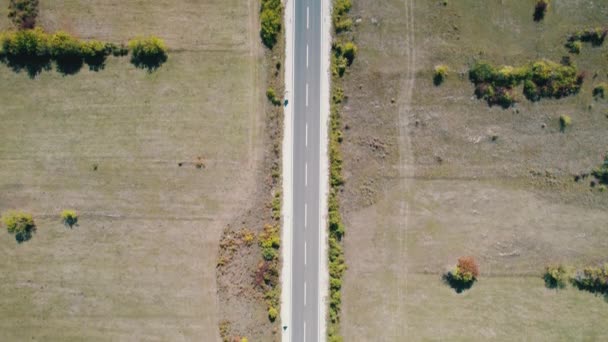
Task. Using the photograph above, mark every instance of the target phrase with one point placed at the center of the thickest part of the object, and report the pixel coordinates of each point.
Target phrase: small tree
(464, 275)
(69, 218)
(149, 53)
(19, 223)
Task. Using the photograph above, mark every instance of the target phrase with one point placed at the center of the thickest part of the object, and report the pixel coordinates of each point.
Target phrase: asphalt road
(306, 171)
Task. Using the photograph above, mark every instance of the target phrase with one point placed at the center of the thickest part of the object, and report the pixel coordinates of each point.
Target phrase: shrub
(270, 19)
(482, 72)
(148, 53)
(19, 223)
(574, 46)
(540, 9)
(339, 15)
(272, 96)
(69, 218)
(601, 173)
(464, 275)
(272, 314)
(23, 13)
(556, 277)
(564, 122)
(440, 74)
(600, 90)
(26, 43)
(594, 36)
(270, 241)
(347, 50)
(592, 279)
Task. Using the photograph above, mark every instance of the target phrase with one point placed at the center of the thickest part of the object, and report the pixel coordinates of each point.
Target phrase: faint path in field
(406, 172)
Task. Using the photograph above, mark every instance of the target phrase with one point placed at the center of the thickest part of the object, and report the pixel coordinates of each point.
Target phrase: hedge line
(34, 50)
(343, 55)
(592, 279)
(541, 79)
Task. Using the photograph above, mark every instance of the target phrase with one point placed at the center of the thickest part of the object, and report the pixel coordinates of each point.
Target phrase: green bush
(148, 53)
(273, 313)
(564, 122)
(347, 50)
(272, 96)
(270, 19)
(600, 90)
(440, 74)
(592, 279)
(574, 46)
(339, 15)
(26, 43)
(69, 218)
(556, 276)
(20, 224)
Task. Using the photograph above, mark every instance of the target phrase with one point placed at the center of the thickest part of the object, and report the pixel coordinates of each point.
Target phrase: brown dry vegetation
(432, 173)
(141, 265)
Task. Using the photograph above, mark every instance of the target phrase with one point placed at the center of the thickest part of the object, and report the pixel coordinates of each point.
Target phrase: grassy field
(426, 183)
(141, 263)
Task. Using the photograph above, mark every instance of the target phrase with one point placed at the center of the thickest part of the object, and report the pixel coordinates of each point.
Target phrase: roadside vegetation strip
(34, 50)
(343, 54)
(541, 79)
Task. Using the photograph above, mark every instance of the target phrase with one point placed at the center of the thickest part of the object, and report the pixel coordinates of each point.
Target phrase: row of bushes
(34, 47)
(271, 14)
(22, 225)
(267, 275)
(592, 279)
(343, 54)
(341, 20)
(594, 36)
(23, 13)
(541, 79)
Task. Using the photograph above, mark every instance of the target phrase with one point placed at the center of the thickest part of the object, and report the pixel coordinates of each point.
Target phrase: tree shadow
(149, 62)
(25, 235)
(70, 222)
(540, 10)
(32, 65)
(437, 80)
(457, 284)
(69, 65)
(96, 63)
